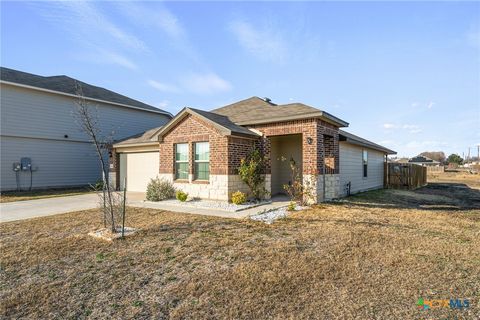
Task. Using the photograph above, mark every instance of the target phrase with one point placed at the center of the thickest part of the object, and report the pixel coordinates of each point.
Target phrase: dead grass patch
(335, 261)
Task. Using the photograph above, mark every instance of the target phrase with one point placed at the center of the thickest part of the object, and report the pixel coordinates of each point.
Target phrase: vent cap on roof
(268, 100)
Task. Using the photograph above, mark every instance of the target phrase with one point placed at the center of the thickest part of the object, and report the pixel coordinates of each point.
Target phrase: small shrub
(182, 196)
(252, 172)
(160, 189)
(301, 192)
(239, 197)
(291, 206)
(97, 186)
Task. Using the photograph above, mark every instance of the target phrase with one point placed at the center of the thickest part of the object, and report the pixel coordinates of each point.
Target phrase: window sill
(200, 181)
(181, 181)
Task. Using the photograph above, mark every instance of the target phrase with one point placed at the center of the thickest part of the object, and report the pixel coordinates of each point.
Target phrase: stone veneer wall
(332, 186)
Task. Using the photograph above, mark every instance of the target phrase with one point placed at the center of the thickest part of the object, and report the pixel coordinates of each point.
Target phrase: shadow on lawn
(434, 196)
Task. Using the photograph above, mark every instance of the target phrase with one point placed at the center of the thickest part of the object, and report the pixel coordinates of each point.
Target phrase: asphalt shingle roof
(346, 136)
(68, 85)
(142, 137)
(256, 110)
(223, 121)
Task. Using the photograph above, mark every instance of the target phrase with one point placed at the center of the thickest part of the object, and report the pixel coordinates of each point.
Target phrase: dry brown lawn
(370, 257)
(12, 196)
(462, 177)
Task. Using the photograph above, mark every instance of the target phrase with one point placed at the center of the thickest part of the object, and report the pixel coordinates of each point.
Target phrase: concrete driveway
(20, 210)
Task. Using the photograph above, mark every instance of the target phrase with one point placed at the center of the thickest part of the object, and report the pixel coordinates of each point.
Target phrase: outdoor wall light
(309, 140)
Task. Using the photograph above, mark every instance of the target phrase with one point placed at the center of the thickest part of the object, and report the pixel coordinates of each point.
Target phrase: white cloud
(157, 16)
(164, 87)
(115, 58)
(264, 43)
(86, 23)
(205, 83)
(428, 105)
(387, 142)
(411, 128)
(98, 55)
(425, 144)
(162, 104)
(389, 126)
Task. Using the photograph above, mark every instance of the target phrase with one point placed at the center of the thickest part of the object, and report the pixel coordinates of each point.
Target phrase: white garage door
(139, 168)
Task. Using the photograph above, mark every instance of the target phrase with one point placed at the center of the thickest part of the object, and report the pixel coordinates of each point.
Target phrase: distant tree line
(440, 157)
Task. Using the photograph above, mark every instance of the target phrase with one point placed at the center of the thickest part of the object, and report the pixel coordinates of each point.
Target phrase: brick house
(200, 151)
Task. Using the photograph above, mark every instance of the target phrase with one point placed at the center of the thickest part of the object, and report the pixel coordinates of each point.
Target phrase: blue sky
(406, 75)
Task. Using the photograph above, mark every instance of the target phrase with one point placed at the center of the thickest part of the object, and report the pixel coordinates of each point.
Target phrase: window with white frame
(365, 163)
(181, 161)
(201, 168)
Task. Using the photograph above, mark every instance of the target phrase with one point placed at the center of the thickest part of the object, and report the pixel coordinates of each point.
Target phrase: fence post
(385, 174)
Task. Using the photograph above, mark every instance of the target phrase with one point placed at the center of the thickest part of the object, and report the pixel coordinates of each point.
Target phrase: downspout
(323, 166)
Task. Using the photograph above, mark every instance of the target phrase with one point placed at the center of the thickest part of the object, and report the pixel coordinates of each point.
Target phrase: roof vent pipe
(268, 100)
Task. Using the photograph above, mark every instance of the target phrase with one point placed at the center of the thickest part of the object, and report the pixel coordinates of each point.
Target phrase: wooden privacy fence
(404, 176)
(435, 169)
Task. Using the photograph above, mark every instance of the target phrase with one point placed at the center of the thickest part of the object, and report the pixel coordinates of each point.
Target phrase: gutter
(323, 115)
(137, 144)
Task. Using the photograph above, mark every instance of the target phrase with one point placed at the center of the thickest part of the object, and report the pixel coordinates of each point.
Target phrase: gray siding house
(38, 123)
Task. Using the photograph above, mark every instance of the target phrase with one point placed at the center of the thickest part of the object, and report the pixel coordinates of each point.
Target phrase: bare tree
(87, 118)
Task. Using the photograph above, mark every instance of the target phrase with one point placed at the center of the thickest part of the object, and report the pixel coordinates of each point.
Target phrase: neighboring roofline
(356, 140)
(184, 112)
(86, 98)
(320, 114)
(426, 158)
(420, 162)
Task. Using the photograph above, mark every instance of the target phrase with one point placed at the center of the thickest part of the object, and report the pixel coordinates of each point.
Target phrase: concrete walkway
(136, 200)
(21, 210)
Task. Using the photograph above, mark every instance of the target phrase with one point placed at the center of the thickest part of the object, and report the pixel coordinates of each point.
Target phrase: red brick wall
(312, 154)
(190, 130)
(226, 152)
(238, 148)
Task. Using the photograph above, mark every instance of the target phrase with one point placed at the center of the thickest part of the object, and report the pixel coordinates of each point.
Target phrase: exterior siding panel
(60, 163)
(34, 124)
(351, 169)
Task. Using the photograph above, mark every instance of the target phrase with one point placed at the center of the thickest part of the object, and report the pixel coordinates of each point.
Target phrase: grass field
(371, 256)
(12, 196)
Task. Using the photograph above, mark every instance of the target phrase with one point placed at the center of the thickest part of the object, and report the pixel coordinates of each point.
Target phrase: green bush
(252, 172)
(182, 196)
(239, 197)
(160, 189)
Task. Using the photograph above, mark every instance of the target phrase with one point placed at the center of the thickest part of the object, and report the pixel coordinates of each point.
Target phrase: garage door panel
(140, 168)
